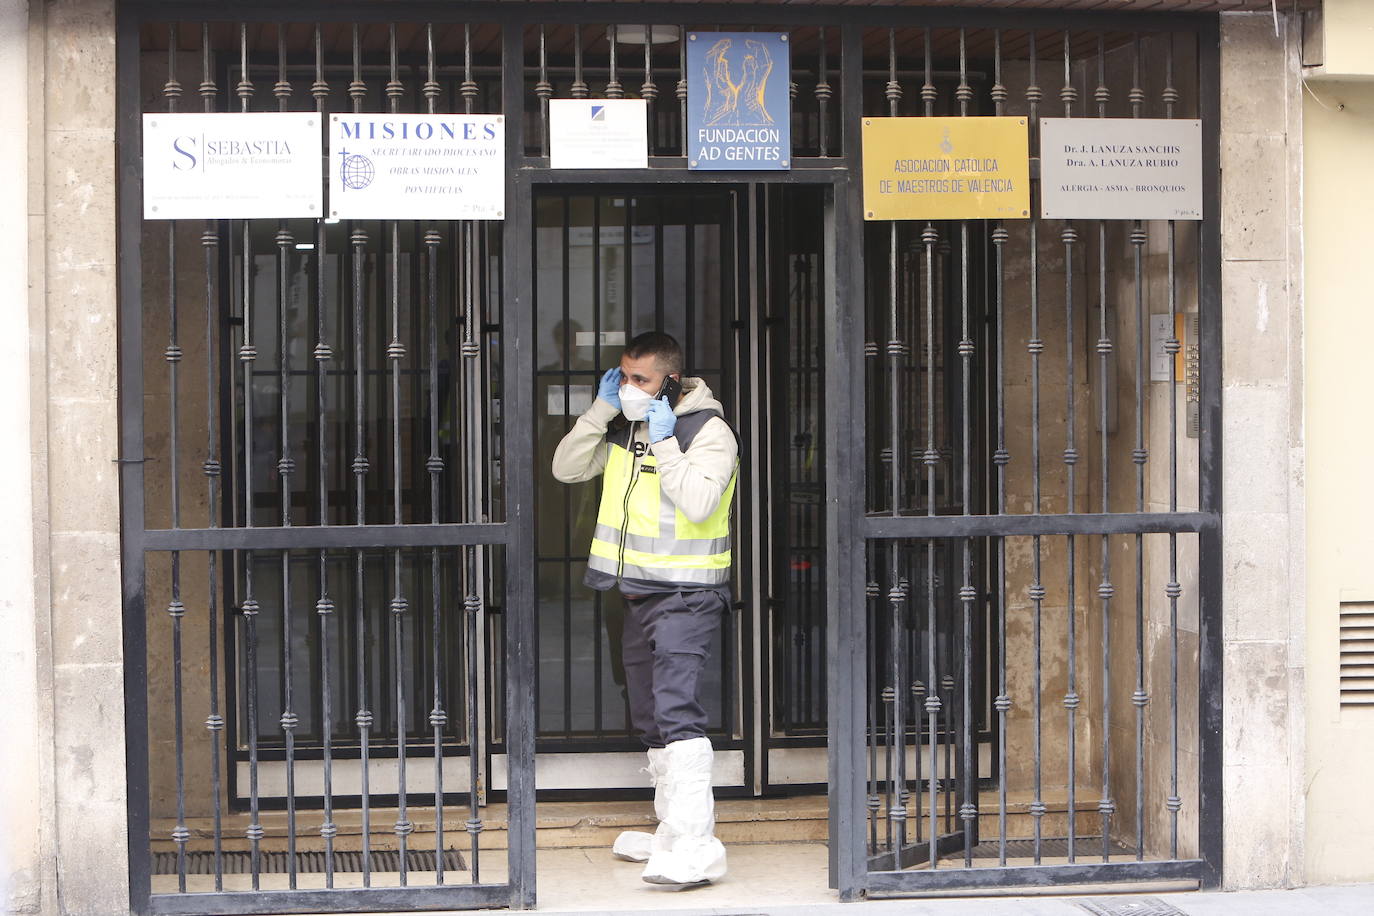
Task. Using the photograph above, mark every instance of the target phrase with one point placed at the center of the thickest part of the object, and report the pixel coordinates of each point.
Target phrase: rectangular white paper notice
(260, 165)
(1120, 168)
(417, 166)
(598, 134)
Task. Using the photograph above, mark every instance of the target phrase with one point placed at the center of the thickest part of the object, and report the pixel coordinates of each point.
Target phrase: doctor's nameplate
(946, 168)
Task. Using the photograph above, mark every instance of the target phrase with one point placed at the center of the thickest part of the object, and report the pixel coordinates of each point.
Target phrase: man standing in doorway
(662, 538)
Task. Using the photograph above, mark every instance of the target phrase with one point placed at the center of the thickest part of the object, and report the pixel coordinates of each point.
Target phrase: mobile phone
(671, 390)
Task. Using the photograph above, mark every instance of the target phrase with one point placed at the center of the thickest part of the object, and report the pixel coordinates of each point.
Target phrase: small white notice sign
(1120, 168)
(259, 165)
(417, 166)
(598, 134)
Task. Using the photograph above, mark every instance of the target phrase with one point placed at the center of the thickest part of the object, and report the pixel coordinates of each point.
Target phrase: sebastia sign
(257, 165)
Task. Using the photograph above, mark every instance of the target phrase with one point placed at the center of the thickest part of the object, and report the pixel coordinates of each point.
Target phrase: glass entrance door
(609, 264)
(737, 275)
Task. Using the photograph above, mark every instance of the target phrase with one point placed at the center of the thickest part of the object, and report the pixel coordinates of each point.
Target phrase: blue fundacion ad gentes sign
(739, 109)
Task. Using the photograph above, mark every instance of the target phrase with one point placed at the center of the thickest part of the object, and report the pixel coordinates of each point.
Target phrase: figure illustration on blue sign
(738, 110)
(742, 103)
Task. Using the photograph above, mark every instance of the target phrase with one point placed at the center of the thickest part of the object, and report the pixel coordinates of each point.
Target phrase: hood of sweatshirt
(696, 395)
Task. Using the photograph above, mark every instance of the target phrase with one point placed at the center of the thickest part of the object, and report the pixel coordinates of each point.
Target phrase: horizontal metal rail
(966, 526)
(355, 899)
(722, 14)
(325, 537)
(905, 883)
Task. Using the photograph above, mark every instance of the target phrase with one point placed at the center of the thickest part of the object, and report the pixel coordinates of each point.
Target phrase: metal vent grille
(1130, 906)
(1357, 653)
(275, 863)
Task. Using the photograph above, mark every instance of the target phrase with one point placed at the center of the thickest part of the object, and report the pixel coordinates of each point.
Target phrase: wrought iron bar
(613, 88)
(249, 607)
(1139, 456)
(543, 89)
(579, 84)
(399, 607)
(171, 91)
(209, 240)
(1035, 346)
(649, 93)
(823, 94)
(324, 605)
(1069, 236)
(681, 89)
(1000, 458)
(434, 464)
(1105, 806)
(285, 468)
(362, 718)
(896, 594)
(968, 808)
(1172, 590)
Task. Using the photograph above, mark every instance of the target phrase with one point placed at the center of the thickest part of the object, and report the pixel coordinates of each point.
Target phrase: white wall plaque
(417, 166)
(598, 134)
(1120, 168)
(232, 166)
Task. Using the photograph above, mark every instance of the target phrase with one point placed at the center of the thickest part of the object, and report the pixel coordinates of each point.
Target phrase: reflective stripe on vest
(641, 534)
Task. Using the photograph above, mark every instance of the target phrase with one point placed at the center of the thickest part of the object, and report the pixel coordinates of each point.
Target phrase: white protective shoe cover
(695, 856)
(637, 845)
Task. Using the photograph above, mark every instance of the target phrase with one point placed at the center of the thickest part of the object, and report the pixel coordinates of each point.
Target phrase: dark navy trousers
(666, 643)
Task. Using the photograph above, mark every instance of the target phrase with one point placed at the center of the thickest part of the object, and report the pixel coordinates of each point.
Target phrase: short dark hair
(663, 347)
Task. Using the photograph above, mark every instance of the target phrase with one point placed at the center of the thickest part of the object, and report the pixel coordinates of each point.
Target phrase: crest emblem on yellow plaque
(946, 168)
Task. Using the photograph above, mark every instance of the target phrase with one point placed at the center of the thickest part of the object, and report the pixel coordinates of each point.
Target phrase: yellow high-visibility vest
(641, 536)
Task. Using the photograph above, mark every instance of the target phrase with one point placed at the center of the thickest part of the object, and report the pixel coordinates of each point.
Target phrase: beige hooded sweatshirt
(694, 480)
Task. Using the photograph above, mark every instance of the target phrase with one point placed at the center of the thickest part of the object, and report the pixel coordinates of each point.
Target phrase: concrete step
(592, 824)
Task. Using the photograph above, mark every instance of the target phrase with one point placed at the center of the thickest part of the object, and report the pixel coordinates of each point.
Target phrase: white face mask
(634, 402)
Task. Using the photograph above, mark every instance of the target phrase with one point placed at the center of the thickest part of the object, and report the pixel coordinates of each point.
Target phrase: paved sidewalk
(1313, 901)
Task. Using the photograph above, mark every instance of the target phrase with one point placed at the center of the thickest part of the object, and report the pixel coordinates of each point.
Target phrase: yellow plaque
(946, 168)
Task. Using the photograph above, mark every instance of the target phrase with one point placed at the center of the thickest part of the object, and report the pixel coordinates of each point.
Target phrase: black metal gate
(326, 464)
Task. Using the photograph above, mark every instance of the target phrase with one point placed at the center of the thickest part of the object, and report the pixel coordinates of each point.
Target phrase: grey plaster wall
(1263, 489)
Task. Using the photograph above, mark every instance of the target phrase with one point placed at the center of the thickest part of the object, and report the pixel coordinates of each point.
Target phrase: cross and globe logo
(356, 171)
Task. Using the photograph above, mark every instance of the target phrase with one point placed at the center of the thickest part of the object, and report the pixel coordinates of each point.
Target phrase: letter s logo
(179, 147)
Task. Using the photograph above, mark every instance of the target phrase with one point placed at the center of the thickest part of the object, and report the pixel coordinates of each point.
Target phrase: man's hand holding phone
(662, 420)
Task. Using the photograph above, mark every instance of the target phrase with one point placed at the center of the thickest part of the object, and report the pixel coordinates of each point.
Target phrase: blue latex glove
(609, 389)
(662, 420)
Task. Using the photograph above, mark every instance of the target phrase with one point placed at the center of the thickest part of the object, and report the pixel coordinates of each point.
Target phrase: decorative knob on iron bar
(324, 606)
(249, 608)
(1104, 345)
(254, 832)
(437, 718)
(1002, 703)
(1069, 235)
(289, 721)
(363, 718)
(1173, 589)
(1071, 700)
(1140, 455)
(1036, 591)
(434, 464)
(1140, 699)
(1037, 808)
(1001, 457)
(398, 605)
(286, 466)
(1106, 590)
(1106, 806)
(176, 609)
(395, 350)
(404, 828)
(359, 466)
(473, 826)
(1173, 803)
(329, 830)
(214, 723)
(323, 352)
